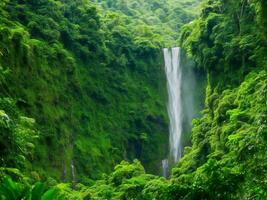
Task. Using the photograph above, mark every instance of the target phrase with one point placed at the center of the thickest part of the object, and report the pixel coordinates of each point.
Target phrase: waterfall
(73, 174)
(174, 85)
(186, 89)
(165, 167)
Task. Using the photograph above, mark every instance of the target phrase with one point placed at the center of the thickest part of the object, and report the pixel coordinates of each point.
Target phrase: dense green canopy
(83, 88)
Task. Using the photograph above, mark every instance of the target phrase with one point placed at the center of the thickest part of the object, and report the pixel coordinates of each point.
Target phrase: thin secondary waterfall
(73, 174)
(165, 167)
(174, 84)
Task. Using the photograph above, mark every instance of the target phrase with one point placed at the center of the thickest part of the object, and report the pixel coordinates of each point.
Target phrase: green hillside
(83, 99)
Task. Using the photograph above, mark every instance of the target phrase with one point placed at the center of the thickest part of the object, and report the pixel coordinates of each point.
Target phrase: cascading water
(165, 167)
(73, 174)
(174, 84)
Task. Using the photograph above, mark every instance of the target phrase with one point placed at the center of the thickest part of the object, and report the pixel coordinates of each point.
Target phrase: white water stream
(174, 84)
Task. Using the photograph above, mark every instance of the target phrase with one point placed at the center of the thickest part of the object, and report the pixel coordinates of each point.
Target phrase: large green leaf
(51, 194)
(9, 189)
(37, 191)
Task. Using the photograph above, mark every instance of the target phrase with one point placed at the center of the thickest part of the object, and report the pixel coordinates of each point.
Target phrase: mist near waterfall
(193, 90)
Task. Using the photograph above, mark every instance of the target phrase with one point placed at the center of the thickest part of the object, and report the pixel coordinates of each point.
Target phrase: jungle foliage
(95, 87)
(83, 84)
